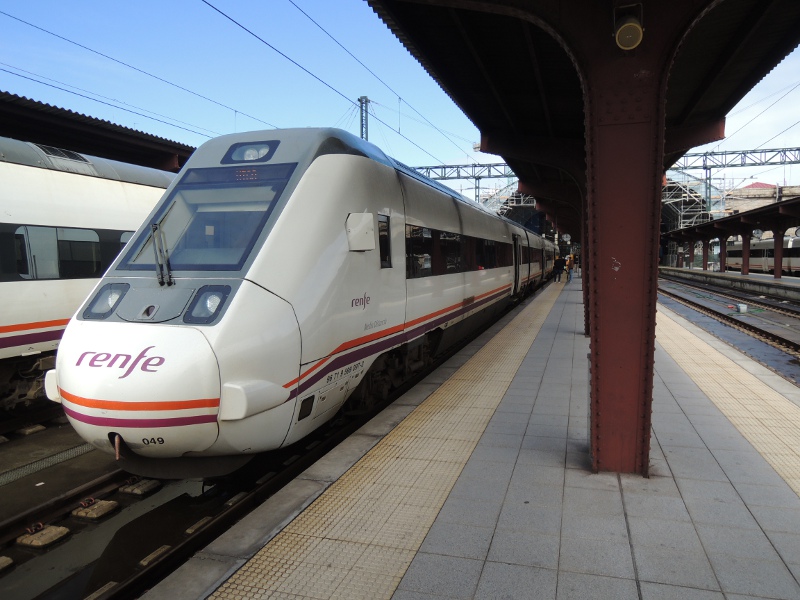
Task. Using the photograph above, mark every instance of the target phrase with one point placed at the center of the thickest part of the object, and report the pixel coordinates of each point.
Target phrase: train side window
(419, 249)
(124, 238)
(448, 258)
(78, 253)
(21, 253)
(384, 242)
(42, 249)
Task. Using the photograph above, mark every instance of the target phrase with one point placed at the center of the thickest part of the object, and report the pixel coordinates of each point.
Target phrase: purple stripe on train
(387, 343)
(140, 423)
(31, 338)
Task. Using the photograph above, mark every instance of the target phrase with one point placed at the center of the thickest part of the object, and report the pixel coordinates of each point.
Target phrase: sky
(184, 71)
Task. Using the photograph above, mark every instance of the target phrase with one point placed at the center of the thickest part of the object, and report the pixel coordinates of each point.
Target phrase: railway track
(771, 320)
(151, 529)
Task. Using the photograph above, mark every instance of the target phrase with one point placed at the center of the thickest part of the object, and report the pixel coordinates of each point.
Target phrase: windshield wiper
(163, 269)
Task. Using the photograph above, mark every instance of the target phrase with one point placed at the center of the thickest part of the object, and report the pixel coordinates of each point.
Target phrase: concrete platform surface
(483, 487)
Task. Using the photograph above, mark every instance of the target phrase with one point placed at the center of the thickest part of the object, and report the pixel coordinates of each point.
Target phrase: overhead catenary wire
(122, 103)
(137, 69)
(314, 76)
(375, 75)
(103, 102)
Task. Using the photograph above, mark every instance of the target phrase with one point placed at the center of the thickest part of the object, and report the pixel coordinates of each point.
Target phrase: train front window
(212, 218)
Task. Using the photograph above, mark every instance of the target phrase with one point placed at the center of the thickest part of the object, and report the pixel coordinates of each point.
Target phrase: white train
(762, 256)
(283, 273)
(63, 218)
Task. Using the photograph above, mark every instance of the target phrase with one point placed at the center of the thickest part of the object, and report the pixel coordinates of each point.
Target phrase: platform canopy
(511, 67)
(590, 102)
(31, 121)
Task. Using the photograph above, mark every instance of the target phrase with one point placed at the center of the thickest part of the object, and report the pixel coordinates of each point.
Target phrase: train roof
(303, 145)
(58, 159)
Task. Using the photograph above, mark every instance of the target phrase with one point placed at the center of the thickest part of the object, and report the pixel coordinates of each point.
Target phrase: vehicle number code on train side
(153, 441)
(344, 371)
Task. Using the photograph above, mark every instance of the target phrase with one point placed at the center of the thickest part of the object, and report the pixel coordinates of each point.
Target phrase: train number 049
(152, 441)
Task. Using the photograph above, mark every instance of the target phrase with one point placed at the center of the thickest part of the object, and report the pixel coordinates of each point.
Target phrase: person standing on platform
(570, 265)
(558, 268)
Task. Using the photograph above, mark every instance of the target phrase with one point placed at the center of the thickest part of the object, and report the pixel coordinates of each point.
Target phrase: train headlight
(106, 301)
(250, 152)
(207, 304)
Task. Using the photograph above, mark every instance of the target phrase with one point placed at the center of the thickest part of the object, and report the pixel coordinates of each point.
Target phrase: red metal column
(745, 254)
(624, 95)
(778, 250)
(625, 131)
(691, 254)
(705, 254)
(723, 251)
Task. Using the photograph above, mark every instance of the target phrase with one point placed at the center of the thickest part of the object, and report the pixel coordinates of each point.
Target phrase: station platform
(787, 286)
(477, 484)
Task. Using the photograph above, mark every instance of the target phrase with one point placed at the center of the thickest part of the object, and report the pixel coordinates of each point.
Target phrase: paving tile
(508, 428)
(769, 579)
(598, 527)
(767, 495)
(501, 440)
(660, 591)
(667, 508)
(719, 491)
(537, 474)
(502, 581)
(542, 457)
(579, 586)
(491, 471)
(746, 543)
(678, 567)
(480, 489)
(442, 575)
(455, 539)
(551, 495)
(659, 486)
(514, 405)
(788, 546)
(778, 519)
(596, 557)
(527, 516)
(721, 513)
(677, 535)
(553, 420)
(689, 463)
(408, 595)
(527, 548)
(589, 480)
(582, 501)
(469, 512)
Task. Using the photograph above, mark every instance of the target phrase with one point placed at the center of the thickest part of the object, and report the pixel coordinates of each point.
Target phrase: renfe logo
(362, 302)
(104, 359)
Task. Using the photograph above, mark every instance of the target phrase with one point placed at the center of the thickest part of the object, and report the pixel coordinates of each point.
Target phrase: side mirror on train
(360, 229)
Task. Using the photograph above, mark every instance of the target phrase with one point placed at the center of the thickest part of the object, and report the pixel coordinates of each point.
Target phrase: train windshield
(210, 221)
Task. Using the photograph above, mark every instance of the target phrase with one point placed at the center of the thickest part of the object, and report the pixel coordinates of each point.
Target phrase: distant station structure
(30, 121)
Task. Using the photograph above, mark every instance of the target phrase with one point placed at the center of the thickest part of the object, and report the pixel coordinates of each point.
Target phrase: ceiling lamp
(628, 30)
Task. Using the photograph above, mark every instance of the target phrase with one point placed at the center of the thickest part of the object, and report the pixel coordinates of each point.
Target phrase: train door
(516, 263)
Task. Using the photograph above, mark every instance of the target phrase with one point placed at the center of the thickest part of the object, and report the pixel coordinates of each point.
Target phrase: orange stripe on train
(120, 405)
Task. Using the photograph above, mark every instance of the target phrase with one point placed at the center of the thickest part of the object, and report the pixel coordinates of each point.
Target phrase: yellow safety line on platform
(768, 420)
(359, 537)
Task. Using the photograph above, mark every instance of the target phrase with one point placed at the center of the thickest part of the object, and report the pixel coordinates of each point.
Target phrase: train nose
(156, 386)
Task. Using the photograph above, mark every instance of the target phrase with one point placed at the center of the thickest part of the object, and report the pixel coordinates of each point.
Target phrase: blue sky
(191, 45)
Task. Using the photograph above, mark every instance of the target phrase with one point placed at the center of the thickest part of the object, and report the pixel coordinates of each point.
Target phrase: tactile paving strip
(359, 537)
(768, 420)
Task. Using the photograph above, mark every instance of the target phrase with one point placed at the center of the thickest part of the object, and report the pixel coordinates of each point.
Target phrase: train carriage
(284, 273)
(762, 256)
(65, 216)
